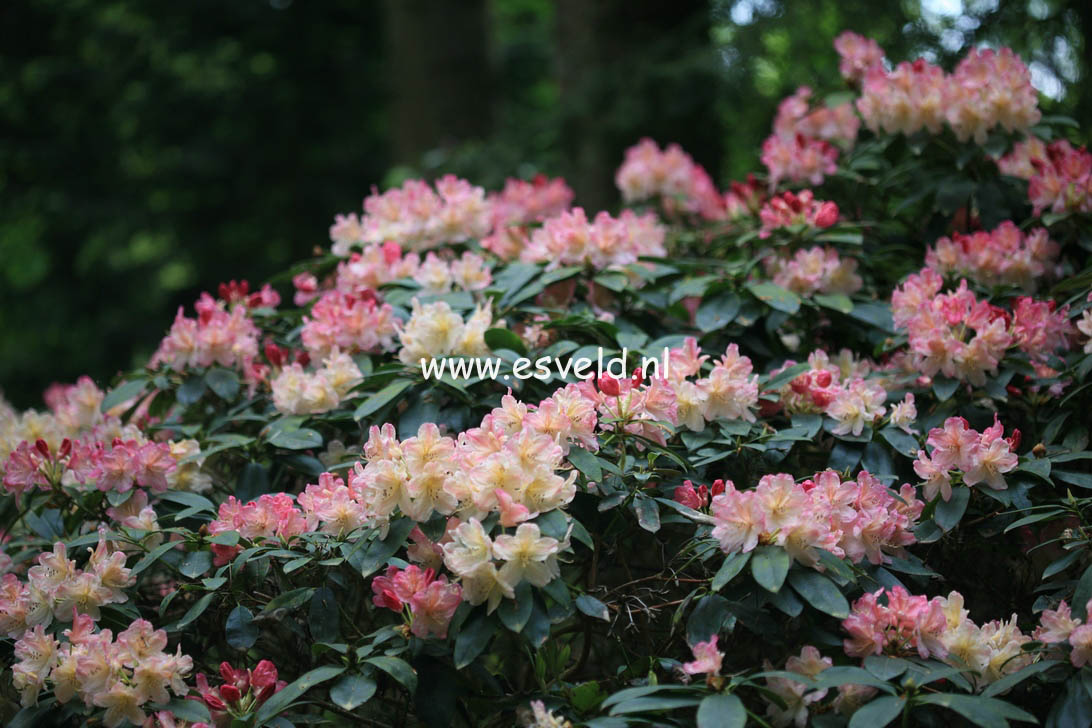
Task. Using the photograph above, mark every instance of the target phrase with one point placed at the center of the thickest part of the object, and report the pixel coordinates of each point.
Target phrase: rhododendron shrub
(809, 448)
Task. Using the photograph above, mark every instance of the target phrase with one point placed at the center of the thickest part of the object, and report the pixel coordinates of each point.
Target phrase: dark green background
(151, 149)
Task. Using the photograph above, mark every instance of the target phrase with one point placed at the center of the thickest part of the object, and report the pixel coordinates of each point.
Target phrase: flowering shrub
(838, 480)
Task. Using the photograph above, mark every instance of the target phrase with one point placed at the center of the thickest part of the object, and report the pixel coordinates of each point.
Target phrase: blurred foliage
(152, 149)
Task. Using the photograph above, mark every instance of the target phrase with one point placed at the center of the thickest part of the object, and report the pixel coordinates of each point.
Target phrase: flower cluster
(730, 391)
(829, 123)
(791, 209)
(467, 273)
(119, 673)
(1002, 256)
(858, 55)
(349, 322)
(570, 239)
(979, 457)
(798, 158)
(298, 392)
(89, 462)
(840, 390)
(507, 465)
(670, 174)
(435, 331)
(854, 519)
(273, 516)
(939, 627)
(432, 601)
(56, 589)
(527, 556)
(416, 216)
(987, 89)
(697, 498)
(242, 691)
(814, 270)
(522, 202)
(1059, 176)
(1059, 625)
(223, 333)
(964, 338)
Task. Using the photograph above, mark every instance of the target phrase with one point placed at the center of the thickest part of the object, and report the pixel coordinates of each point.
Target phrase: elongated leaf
(295, 690)
(352, 691)
(878, 713)
(381, 398)
(240, 629)
(399, 669)
(770, 566)
(732, 565)
(473, 639)
(592, 607)
(721, 711)
(820, 592)
(950, 512)
(123, 393)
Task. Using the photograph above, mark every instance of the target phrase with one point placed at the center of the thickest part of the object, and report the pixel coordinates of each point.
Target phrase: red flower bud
(230, 693)
(608, 385)
(823, 378)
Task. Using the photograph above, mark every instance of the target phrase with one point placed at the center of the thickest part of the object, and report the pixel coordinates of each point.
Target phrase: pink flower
(691, 497)
(858, 55)
(707, 659)
(790, 209)
(433, 607)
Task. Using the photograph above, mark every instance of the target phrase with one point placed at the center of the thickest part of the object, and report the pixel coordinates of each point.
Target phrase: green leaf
(875, 313)
(732, 565)
(835, 301)
(223, 382)
(400, 670)
(905, 444)
(944, 388)
(323, 617)
(381, 398)
(981, 711)
(1036, 466)
(717, 312)
(1010, 681)
(653, 704)
(194, 612)
(473, 639)
(152, 556)
(721, 711)
(303, 438)
(240, 629)
(878, 713)
(775, 296)
(587, 463)
(707, 619)
(592, 607)
(190, 390)
(227, 538)
(195, 564)
(377, 553)
(1081, 480)
(885, 667)
(123, 393)
(648, 513)
(820, 592)
(194, 711)
(514, 613)
(949, 512)
(770, 566)
(294, 690)
(1081, 594)
(352, 691)
(289, 600)
(497, 339)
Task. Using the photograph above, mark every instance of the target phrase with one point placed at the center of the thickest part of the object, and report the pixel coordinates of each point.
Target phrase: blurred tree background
(151, 149)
